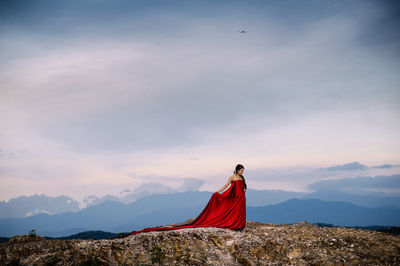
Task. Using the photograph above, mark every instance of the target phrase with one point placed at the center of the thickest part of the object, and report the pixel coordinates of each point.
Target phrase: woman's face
(240, 172)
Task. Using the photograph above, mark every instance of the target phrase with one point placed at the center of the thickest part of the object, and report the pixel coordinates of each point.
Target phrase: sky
(97, 97)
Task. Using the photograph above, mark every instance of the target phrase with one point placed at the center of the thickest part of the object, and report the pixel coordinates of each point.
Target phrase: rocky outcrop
(257, 244)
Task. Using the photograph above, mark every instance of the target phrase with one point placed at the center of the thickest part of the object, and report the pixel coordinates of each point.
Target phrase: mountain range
(165, 209)
(360, 201)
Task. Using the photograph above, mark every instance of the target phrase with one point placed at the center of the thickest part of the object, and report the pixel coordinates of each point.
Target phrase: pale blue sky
(100, 96)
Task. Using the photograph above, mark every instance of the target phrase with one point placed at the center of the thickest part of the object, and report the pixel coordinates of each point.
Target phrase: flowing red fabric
(226, 210)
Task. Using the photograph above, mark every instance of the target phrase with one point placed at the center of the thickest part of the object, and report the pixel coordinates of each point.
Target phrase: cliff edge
(257, 244)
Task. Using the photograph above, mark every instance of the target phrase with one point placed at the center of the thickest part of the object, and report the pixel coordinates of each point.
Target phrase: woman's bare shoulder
(234, 177)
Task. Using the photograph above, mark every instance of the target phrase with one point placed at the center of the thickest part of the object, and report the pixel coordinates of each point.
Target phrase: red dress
(226, 210)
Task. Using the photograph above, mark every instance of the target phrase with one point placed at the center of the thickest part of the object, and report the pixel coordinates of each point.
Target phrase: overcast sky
(100, 96)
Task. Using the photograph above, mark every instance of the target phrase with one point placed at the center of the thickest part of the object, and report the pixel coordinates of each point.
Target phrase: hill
(257, 244)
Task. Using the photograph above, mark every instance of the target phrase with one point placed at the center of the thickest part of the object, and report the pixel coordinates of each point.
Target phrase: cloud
(387, 165)
(340, 177)
(145, 189)
(346, 167)
(367, 183)
(190, 184)
(382, 31)
(24, 206)
(36, 211)
(104, 97)
(95, 92)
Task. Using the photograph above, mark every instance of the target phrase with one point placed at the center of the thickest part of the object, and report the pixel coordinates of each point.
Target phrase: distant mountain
(66, 232)
(353, 190)
(25, 206)
(128, 196)
(107, 215)
(267, 197)
(361, 200)
(317, 211)
(89, 235)
(115, 216)
(175, 208)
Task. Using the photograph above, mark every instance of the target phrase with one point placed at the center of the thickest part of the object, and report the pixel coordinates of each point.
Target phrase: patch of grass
(53, 259)
(157, 255)
(91, 260)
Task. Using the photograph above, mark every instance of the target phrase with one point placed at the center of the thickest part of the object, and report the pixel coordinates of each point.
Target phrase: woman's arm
(226, 185)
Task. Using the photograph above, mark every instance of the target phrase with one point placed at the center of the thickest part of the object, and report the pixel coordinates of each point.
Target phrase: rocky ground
(257, 244)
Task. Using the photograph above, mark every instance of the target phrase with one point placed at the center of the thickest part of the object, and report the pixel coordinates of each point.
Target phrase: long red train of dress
(226, 210)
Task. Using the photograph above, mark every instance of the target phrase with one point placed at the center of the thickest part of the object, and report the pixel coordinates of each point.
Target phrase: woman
(226, 210)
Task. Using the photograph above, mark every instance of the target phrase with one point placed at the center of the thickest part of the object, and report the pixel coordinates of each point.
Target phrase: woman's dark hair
(238, 167)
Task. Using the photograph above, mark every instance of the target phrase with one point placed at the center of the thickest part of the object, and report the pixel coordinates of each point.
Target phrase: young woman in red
(226, 210)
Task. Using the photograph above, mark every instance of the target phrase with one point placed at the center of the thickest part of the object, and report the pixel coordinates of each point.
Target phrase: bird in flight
(242, 31)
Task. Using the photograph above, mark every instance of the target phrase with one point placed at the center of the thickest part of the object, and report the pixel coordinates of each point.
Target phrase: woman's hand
(244, 190)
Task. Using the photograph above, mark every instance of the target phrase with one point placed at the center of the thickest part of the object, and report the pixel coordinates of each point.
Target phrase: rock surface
(257, 244)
